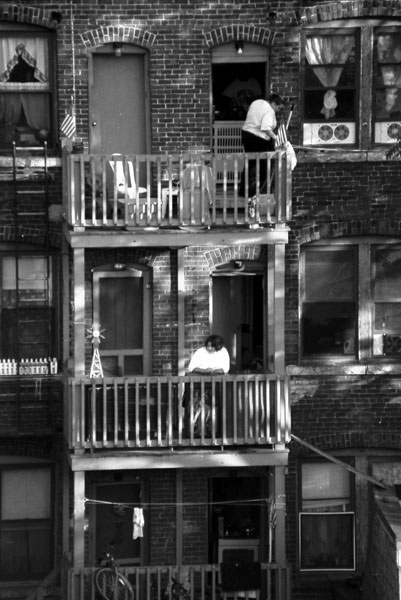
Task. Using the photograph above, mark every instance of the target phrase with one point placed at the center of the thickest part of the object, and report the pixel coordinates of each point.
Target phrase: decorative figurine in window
(329, 104)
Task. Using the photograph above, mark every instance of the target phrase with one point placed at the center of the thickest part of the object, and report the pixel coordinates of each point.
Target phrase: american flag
(68, 126)
(281, 137)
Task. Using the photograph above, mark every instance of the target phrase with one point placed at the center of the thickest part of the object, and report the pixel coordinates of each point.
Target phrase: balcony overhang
(173, 238)
(277, 456)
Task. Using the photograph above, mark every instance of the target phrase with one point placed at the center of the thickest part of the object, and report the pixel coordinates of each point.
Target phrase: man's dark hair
(276, 99)
(216, 341)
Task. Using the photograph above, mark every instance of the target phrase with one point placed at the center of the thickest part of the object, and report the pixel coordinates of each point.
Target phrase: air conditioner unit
(329, 133)
(387, 132)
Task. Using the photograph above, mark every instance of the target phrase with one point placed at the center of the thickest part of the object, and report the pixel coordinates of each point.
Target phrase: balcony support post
(279, 537)
(179, 517)
(78, 523)
(181, 310)
(79, 311)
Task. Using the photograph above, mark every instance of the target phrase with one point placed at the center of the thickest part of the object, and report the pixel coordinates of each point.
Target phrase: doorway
(237, 517)
(238, 316)
(122, 308)
(114, 521)
(119, 112)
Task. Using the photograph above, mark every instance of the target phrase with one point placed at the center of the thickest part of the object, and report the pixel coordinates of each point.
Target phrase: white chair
(127, 190)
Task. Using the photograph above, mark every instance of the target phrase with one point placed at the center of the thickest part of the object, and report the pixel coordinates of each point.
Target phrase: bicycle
(110, 583)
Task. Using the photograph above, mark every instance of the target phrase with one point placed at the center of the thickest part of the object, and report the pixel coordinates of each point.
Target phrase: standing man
(258, 135)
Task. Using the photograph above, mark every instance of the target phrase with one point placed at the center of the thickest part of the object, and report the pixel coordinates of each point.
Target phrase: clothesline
(248, 502)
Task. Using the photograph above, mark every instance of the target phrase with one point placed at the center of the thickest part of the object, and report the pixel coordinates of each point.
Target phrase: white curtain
(328, 50)
(32, 50)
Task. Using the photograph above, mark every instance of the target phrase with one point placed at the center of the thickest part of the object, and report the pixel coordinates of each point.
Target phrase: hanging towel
(138, 522)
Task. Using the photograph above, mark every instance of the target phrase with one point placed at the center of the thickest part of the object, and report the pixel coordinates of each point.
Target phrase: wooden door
(118, 109)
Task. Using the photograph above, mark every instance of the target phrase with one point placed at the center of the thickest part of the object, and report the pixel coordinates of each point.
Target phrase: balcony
(152, 583)
(147, 192)
(178, 412)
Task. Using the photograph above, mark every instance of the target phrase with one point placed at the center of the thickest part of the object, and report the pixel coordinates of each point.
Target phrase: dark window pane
(327, 541)
(328, 328)
(121, 311)
(329, 275)
(315, 105)
(25, 550)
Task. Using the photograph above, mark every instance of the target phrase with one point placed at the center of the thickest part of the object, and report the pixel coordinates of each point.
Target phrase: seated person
(212, 358)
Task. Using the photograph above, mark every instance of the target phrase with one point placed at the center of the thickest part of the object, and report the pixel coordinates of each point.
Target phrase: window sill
(308, 154)
(383, 366)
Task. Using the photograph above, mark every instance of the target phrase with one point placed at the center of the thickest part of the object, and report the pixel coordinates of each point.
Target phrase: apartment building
(125, 242)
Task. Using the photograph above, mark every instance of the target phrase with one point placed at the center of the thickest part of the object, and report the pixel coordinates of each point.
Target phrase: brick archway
(247, 33)
(337, 229)
(118, 33)
(19, 13)
(223, 255)
(349, 9)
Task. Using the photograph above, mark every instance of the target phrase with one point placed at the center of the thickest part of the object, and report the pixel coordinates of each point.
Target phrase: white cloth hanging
(138, 523)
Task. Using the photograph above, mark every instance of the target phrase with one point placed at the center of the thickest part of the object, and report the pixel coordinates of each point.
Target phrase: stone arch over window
(246, 33)
(30, 14)
(118, 33)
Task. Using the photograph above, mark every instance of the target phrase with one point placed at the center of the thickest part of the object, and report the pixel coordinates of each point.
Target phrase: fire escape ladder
(32, 311)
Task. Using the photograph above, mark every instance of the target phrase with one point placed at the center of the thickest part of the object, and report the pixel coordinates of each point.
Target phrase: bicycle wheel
(112, 585)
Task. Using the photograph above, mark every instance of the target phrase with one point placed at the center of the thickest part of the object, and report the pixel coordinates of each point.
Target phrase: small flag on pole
(281, 138)
(68, 126)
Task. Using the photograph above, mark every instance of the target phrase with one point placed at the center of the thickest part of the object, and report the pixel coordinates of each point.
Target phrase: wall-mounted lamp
(272, 17)
(239, 47)
(118, 49)
(119, 266)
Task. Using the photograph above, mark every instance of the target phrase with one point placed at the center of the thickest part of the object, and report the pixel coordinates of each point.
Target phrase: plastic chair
(127, 190)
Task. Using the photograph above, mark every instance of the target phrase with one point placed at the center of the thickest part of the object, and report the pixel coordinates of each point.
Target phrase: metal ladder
(31, 206)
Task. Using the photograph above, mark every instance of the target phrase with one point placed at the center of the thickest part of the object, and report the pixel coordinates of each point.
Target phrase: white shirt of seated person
(207, 360)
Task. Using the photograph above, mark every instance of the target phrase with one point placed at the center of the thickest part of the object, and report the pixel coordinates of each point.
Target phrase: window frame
(349, 513)
(120, 271)
(49, 303)
(366, 31)
(364, 298)
(8, 30)
(9, 467)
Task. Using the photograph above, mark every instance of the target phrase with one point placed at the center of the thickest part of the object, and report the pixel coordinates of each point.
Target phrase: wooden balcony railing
(160, 412)
(175, 190)
(153, 583)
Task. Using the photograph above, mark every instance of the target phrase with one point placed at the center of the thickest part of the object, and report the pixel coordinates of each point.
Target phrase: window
(326, 518)
(26, 523)
(351, 300)
(27, 320)
(26, 86)
(121, 306)
(352, 84)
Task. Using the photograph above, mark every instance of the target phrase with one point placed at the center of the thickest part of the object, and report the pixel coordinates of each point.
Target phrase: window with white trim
(326, 518)
(352, 84)
(26, 85)
(351, 300)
